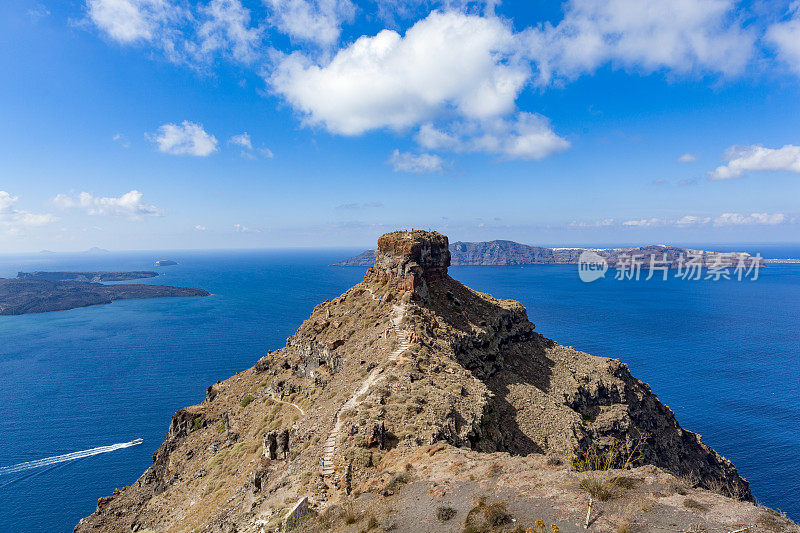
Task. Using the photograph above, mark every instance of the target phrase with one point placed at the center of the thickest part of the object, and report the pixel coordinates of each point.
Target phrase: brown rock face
(412, 259)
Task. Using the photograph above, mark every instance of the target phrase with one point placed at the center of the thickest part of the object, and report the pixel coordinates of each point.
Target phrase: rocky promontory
(413, 403)
(87, 276)
(23, 296)
(502, 252)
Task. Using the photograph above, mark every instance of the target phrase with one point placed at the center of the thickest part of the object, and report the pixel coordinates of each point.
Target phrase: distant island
(25, 295)
(87, 276)
(165, 262)
(501, 252)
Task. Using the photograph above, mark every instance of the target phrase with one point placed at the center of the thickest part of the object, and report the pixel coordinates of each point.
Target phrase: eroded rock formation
(410, 368)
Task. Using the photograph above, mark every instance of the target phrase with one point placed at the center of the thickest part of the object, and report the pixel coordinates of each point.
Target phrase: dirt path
(274, 399)
(328, 466)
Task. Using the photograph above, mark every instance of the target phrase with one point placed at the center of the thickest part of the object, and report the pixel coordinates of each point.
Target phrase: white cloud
(122, 140)
(127, 21)
(242, 140)
(683, 36)
(188, 138)
(526, 136)
(604, 223)
(245, 142)
(785, 38)
(239, 228)
(446, 62)
(15, 220)
(191, 34)
(416, 163)
(645, 222)
(128, 205)
(314, 21)
(761, 219)
(200, 228)
(687, 158)
(691, 220)
(38, 12)
(745, 158)
(226, 30)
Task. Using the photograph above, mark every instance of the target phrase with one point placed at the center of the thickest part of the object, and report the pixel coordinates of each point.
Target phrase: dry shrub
(694, 505)
(594, 466)
(772, 520)
(624, 521)
(483, 518)
(351, 516)
(444, 513)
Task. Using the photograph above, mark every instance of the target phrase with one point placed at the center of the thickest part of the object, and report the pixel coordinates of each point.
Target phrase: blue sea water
(725, 356)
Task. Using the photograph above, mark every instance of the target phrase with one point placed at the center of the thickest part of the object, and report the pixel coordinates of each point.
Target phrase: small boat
(136, 442)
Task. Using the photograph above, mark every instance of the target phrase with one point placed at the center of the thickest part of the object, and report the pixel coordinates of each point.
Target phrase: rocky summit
(413, 403)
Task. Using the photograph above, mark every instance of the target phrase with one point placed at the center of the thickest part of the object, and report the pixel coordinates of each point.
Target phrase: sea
(77, 386)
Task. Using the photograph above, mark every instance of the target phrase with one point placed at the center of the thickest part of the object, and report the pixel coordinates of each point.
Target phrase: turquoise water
(724, 356)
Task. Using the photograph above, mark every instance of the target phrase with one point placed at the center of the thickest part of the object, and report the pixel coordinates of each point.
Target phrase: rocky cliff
(413, 403)
(513, 253)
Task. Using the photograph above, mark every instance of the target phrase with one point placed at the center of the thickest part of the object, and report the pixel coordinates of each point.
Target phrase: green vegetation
(247, 400)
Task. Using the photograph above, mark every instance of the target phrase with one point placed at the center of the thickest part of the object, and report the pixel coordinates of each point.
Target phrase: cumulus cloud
(458, 72)
(746, 158)
(447, 61)
(525, 136)
(785, 38)
(128, 205)
(760, 219)
(314, 21)
(14, 220)
(683, 36)
(188, 138)
(416, 163)
(687, 158)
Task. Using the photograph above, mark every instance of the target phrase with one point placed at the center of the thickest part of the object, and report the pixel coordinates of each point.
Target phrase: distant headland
(87, 276)
(43, 292)
(502, 252)
(165, 262)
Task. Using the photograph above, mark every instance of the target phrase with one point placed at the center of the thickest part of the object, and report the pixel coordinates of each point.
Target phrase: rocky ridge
(409, 394)
(501, 252)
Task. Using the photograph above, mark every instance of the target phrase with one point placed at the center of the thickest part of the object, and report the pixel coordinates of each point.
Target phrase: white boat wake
(48, 461)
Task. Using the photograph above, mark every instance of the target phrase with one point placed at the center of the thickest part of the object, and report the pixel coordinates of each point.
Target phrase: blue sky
(164, 124)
